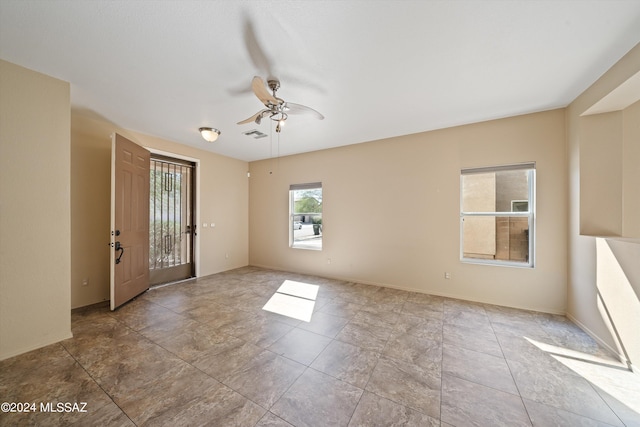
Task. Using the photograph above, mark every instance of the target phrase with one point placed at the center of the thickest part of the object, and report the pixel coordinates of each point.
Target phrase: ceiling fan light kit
(277, 109)
(209, 134)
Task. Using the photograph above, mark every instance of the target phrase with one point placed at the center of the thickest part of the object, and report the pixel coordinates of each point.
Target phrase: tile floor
(206, 353)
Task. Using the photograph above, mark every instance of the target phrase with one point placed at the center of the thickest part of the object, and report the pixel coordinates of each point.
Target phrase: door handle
(119, 247)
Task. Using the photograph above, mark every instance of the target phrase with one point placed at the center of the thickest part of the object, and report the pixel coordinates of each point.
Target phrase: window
(305, 216)
(497, 214)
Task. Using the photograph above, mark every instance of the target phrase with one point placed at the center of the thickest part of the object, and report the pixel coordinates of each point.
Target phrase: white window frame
(292, 214)
(530, 214)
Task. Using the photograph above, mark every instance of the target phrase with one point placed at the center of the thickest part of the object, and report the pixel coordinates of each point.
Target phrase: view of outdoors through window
(496, 214)
(306, 216)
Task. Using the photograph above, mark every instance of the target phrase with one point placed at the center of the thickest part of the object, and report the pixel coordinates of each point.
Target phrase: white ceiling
(375, 69)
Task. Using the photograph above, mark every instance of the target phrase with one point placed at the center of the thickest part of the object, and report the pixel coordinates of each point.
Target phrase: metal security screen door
(171, 229)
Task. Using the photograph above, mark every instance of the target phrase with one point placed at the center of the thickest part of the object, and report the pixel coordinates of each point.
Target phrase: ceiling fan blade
(291, 108)
(256, 53)
(255, 118)
(262, 93)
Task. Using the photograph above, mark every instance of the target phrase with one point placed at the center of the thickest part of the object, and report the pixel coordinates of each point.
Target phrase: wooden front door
(129, 220)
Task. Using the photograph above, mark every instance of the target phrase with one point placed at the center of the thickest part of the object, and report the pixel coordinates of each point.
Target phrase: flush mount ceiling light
(209, 134)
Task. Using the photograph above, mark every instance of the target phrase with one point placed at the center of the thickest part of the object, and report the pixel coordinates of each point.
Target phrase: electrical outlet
(328, 260)
(85, 281)
(447, 275)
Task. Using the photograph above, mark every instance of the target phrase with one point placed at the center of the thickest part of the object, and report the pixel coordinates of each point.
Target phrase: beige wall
(34, 210)
(391, 211)
(631, 170)
(604, 265)
(222, 188)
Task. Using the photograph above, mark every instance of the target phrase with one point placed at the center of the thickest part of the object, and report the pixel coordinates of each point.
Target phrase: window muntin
(305, 216)
(497, 215)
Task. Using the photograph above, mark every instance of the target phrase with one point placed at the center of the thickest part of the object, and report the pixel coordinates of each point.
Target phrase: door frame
(196, 196)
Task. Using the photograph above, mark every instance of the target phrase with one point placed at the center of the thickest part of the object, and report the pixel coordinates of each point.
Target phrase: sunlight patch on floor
(609, 375)
(568, 353)
(293, 299)
(299, 289)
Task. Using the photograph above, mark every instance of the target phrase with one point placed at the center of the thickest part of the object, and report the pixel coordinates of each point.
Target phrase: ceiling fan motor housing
(274, 85)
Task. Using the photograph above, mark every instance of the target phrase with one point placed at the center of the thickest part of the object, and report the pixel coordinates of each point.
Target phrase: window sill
(309, 246)
(497, 263)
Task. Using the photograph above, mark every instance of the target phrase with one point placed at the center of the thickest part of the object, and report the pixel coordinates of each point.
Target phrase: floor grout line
(148, 311)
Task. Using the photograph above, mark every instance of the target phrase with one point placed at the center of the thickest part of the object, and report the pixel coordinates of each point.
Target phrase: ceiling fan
(277, 109)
